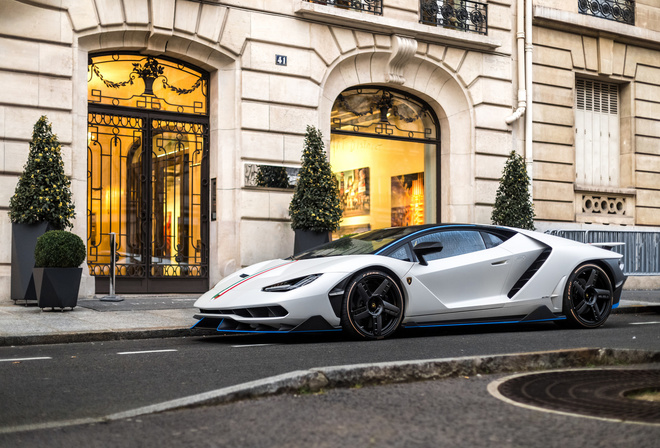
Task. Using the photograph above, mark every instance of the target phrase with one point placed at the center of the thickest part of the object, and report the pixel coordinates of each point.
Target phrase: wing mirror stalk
(426, 248)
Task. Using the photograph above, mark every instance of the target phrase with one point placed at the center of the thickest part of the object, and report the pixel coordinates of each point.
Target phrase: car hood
(267, 273)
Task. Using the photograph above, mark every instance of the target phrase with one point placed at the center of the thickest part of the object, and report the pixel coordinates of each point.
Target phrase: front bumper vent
(257, 311)
(229, 325)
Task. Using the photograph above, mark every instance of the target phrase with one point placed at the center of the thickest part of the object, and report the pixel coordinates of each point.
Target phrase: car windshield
(363, 243)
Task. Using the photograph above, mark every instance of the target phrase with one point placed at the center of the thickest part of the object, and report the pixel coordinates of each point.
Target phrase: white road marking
(49, 425)
(25, 359)
(147, 351)
(250, 345)
(644, 323)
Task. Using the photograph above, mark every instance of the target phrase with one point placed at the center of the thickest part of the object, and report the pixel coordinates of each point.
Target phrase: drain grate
(596, 393)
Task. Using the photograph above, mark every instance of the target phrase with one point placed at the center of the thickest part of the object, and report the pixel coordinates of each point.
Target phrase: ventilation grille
(258, 311)
(597, 96)
(529, 273)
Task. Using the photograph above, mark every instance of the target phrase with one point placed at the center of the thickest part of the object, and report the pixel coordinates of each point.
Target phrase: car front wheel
(588, 297)
(372, 306)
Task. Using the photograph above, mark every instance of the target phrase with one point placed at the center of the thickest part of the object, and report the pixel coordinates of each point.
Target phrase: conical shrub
(513, 205)
(43, 191)
(315, 205)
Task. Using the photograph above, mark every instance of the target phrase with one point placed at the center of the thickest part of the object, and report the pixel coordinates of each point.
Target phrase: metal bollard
(113, 265)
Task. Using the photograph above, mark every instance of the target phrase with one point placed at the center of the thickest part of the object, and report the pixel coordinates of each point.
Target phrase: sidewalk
(142, 317)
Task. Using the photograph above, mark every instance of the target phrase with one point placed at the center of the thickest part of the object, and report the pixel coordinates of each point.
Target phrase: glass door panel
(115, 188)
(176, 200)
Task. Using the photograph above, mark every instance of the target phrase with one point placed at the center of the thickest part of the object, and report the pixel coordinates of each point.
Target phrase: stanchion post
(113, 265)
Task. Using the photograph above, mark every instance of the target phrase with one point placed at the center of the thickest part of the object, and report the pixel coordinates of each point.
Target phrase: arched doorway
(385, 151)
(148, 173)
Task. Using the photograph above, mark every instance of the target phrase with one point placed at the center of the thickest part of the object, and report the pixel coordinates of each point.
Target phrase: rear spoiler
(607, 246)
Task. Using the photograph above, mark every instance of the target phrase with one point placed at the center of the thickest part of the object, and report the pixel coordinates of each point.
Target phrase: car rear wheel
(588, 297)
(373, 306)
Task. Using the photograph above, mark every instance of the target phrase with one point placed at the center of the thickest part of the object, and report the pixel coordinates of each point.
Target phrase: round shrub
(59, 249)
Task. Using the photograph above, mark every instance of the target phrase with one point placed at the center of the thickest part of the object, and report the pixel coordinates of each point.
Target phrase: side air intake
(529, 273)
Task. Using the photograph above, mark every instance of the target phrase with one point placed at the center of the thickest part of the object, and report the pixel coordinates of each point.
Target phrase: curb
(98, 336)
(323, 378)
(637, 309)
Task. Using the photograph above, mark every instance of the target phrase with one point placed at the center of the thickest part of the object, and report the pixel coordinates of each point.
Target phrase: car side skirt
(540, 314)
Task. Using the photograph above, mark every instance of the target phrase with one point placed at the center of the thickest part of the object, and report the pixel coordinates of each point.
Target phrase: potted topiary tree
(57, 256)
(41, 201)
(513, 205)
(315, 208)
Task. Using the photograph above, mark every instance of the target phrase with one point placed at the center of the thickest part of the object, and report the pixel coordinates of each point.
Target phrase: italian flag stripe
(229, 288)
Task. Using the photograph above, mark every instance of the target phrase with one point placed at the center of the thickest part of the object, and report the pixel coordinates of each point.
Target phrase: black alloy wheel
(373, 306)
(588, 297)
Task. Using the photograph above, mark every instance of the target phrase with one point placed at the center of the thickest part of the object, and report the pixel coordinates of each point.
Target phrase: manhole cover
(605, 394)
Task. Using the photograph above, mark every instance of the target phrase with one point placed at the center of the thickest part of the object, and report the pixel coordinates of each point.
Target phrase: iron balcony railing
(641, 250)
(464, 15)
(370, 6)
(618, 10)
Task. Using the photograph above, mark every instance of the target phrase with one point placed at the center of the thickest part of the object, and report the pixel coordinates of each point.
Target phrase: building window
(618, 10)
(384, 151)
(464, 15)
(370, 6)
(597, 134)
(270, 176)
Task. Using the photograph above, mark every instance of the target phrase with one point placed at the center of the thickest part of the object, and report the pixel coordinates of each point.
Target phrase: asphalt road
(60, 383)
(457, 412)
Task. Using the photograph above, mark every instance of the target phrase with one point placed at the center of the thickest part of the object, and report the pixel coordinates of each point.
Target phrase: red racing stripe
(249, 278)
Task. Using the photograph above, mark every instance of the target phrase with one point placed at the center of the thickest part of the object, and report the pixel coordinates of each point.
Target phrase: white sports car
(371, 284)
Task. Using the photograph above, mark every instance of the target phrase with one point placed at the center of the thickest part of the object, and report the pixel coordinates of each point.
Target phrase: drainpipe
(529, 150)
(524, 48)
(520, 36)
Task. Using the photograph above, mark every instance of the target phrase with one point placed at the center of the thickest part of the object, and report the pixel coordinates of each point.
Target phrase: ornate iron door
(148, 183)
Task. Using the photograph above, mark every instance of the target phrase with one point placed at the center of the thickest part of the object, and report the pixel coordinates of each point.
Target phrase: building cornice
(385, 25)
(596, 27)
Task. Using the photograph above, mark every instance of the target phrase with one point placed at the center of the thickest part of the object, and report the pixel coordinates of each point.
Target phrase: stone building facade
(415, 107)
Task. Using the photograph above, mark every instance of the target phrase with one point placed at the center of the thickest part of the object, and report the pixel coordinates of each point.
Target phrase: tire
(588, 297)
(372, 306)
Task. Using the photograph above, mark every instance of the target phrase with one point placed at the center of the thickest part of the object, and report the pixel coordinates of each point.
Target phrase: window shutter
(597, 133)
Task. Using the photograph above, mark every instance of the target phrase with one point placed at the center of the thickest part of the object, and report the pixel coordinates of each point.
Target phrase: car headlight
(288, 285)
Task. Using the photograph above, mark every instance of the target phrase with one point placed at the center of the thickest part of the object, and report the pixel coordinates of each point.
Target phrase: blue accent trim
(616, 305)
(278, 332)
(197, 323)
(486, 323)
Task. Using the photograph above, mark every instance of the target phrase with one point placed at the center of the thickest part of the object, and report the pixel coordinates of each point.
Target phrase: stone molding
(403, 51)
(604, 205)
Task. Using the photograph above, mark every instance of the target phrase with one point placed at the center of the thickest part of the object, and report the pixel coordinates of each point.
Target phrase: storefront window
(383, 150)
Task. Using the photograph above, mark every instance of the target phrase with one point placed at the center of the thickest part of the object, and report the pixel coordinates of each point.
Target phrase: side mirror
(425, 248)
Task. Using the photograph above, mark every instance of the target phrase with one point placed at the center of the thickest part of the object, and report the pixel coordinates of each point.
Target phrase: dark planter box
(306, 239)
(57, 287)
(23, 241)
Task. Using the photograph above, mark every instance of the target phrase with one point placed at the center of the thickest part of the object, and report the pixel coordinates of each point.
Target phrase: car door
(468, 273)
